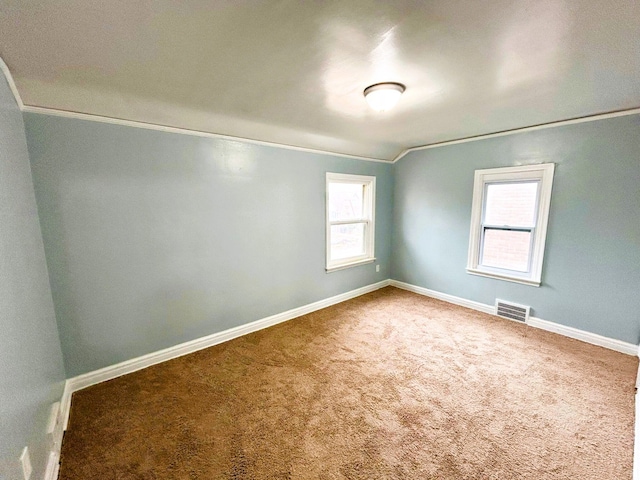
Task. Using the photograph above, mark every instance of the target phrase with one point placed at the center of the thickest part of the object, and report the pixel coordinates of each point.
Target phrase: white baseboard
(611, 343)
(91, 378)
(638, 377)
(592, 338)
(53, 466)
(588, 337)
(55, 432)
(65, 404)
(481, 307)
(82, 381)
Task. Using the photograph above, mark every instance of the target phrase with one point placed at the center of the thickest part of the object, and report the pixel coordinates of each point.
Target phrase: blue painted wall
(31, 369)
(591, 273)
(154, 238)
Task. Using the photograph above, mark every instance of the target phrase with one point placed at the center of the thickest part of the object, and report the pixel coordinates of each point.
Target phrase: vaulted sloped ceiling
(293, 72)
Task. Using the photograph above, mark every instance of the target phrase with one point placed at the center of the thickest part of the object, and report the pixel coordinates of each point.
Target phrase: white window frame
(542, 173)
(368, 219)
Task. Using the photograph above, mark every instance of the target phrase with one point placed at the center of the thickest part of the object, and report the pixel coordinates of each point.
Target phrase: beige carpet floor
(390, 385)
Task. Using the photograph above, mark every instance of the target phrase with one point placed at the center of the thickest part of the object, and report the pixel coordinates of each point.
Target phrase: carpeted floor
(390, 385)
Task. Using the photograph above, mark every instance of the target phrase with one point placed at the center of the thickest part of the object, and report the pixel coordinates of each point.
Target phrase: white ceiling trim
(12, 84)
(185, 131)
(572, 121)
(162, 128)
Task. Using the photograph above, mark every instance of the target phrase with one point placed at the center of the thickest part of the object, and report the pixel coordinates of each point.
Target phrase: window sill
(351, 264)
(524, 281)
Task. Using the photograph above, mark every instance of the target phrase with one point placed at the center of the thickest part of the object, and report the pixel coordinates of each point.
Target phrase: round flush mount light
(383, 96)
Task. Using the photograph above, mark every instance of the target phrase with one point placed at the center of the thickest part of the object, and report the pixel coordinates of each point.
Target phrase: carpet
(389, 385)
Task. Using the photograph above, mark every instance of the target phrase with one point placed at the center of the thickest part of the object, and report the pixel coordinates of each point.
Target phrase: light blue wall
(31, 369)
(591, 273)
(154, 238)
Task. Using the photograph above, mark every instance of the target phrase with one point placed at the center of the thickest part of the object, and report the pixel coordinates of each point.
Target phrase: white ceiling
(293, 72)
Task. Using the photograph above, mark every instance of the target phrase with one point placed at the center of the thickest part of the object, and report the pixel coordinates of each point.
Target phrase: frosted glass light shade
(383, 96)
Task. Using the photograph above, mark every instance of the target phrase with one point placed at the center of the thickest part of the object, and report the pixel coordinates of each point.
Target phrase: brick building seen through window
(509, 205)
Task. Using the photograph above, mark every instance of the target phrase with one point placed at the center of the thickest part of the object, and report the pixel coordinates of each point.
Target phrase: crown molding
(163, 128)
(12, 84)
(542, 126)
(184, 131)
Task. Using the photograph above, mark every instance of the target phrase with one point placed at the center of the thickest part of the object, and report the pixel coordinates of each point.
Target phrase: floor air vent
(512, 311)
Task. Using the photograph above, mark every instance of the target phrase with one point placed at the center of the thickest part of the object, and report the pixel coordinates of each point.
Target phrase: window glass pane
(506, 249)
(346, 201)
(512, 204)
(347, 240)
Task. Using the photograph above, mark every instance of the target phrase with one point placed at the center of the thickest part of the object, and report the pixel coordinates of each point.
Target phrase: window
(509, 219)
(350, 220)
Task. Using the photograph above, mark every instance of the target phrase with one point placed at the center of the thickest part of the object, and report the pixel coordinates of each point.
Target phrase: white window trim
(540, 172)
(369, 203)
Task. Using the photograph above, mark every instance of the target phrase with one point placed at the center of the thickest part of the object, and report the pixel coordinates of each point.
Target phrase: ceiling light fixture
(383, 96)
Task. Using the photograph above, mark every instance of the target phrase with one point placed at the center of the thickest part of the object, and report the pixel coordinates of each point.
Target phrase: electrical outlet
(377, 268)
(26, 463)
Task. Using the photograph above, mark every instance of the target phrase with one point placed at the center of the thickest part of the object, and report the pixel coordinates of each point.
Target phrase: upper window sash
(485, 195)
